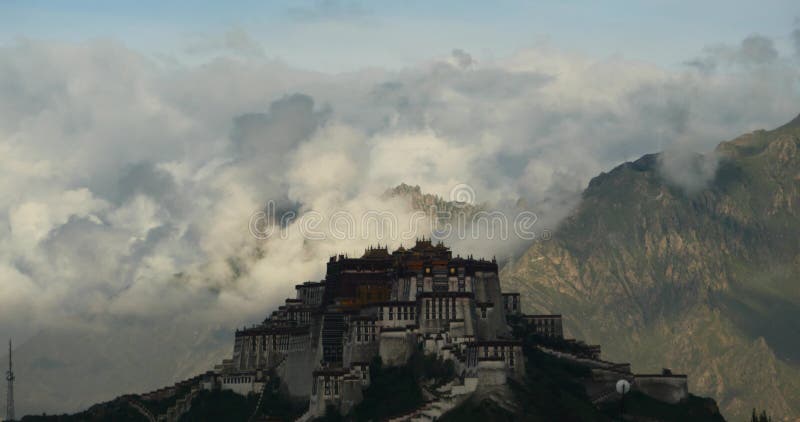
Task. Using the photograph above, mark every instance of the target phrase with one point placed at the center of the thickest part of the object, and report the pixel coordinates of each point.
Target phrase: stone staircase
(605, 395)
(258, 404)
(181, 406)
(142, 410)
(333, 327)
(308, 416)
(447, 397)
(174, 412)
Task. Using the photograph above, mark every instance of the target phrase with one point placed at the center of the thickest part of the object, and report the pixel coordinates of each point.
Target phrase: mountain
(430, 203)
(705, 280)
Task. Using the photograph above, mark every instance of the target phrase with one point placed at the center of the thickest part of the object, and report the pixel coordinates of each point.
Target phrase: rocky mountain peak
(709, 279)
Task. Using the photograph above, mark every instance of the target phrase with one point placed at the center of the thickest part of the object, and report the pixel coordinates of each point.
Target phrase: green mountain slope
(706, 282)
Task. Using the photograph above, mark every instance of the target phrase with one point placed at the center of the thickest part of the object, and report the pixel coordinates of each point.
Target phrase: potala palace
(391, 305)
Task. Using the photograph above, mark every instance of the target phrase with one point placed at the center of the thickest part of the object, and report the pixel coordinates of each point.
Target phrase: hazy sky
(334, 36)
(137, 141)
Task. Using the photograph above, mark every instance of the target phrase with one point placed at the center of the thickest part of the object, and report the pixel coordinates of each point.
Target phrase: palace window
(483, 312)
(327, 386)
(391, 315)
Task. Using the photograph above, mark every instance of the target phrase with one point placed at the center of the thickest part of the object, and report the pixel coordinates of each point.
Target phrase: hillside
(552, 389)
(706, 282)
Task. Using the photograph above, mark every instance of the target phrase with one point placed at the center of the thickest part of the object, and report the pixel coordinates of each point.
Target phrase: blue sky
(346, 35)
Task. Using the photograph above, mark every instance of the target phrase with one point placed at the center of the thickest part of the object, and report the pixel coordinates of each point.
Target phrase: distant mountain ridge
(429, 202)
(707, 282)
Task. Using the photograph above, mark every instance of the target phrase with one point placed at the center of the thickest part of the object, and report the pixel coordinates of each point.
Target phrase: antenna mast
(10, 379)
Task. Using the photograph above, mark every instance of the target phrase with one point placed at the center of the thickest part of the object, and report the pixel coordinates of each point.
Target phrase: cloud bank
(127, 182)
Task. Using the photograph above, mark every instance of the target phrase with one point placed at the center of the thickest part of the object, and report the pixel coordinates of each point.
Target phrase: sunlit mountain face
(168, 177)
(712, 272)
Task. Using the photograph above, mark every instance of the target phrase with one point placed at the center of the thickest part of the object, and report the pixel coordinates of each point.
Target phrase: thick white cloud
(33, 220)
(127, 183)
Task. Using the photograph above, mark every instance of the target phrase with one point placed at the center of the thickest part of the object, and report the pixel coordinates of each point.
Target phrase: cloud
(127, 187)
(462, 59)
(290, 120)
(688, 170)
(795, 36)
(757, 49)
(235, 40)
(754, 50)
(330, 10)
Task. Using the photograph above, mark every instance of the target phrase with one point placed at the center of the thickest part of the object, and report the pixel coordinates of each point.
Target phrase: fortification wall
(360, 352)
(489, 295)
(519, 362)
(491, 372)
(241, 384)
(351, 395)
(670, 389)
(295, 372)
(318, 403)
(396, 347)
(458, 329)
